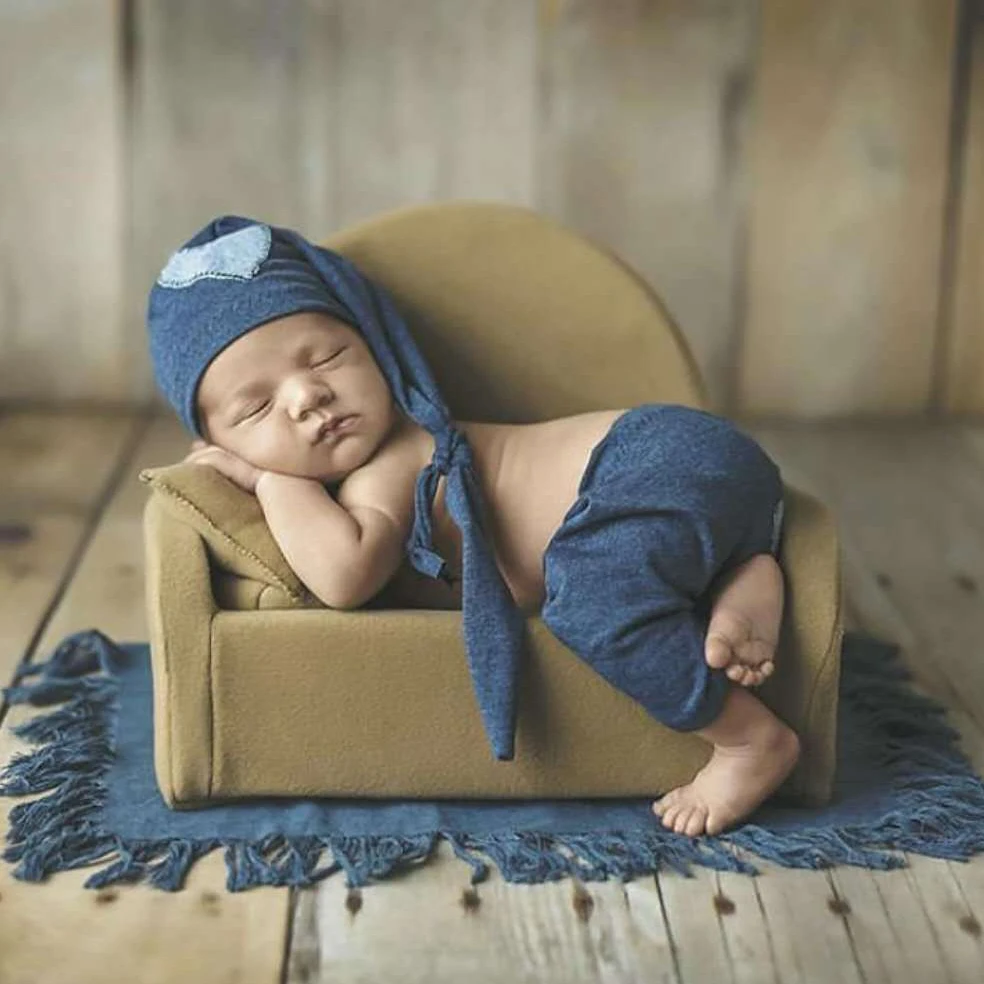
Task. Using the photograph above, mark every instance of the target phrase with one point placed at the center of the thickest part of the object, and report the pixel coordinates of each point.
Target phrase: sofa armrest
(810, 640)
(180, 608)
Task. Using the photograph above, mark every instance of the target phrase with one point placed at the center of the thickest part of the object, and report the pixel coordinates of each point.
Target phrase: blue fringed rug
(902, 784)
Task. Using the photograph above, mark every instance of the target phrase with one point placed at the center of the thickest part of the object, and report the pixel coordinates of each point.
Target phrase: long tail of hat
(495, 627)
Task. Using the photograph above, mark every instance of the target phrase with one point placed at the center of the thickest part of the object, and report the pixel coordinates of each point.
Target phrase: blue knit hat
(237, 274)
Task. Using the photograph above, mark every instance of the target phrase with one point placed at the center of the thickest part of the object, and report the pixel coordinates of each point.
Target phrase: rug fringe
(77, 744)
(529, 857)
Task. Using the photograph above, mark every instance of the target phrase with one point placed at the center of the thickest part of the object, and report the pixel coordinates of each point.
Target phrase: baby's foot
(743, 630)
(735, 780)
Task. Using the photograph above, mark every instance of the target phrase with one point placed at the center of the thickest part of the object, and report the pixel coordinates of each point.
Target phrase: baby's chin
(330, 473)
(304, 469)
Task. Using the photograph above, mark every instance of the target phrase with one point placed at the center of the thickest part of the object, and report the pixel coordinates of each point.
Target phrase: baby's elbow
(332, 585)
(347, 593)
(337, 595)
(330, 600)
(353, 583)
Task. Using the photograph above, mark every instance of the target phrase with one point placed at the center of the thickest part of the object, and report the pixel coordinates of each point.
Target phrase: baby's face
(267, 396)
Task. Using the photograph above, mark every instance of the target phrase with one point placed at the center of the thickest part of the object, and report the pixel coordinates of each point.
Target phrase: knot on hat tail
(450, 447)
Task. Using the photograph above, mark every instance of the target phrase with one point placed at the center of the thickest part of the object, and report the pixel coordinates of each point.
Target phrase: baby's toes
(669, 818)
(665, 802)
(681, 818)
(755, 652)
(695, 822)
(757, 675)
(742, 675)
(717, 651)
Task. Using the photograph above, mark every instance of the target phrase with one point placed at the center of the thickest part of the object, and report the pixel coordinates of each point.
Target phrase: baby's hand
(242, 473)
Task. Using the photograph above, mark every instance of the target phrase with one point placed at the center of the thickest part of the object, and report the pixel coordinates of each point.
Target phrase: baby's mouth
(330, 431)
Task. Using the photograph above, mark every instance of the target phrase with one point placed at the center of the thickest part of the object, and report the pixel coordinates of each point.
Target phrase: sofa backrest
(520, 318)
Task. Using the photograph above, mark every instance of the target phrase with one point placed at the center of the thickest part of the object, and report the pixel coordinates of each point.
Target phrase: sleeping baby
(645, 537)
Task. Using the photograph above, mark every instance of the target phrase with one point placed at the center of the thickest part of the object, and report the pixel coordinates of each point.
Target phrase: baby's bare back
(529, 474)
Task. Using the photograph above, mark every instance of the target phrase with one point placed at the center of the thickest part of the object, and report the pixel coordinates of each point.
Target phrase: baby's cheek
(272, 449)
(243, 446)
(264, 454)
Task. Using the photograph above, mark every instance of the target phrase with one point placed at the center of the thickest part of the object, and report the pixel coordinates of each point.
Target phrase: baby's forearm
(317, 536)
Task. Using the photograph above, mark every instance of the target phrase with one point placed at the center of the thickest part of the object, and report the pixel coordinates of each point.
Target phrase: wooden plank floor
(910, 505)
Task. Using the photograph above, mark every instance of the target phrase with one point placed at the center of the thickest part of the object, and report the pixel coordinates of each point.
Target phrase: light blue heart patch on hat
(236, 256)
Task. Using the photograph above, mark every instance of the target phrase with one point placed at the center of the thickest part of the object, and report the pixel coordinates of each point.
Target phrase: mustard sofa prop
(261, 690)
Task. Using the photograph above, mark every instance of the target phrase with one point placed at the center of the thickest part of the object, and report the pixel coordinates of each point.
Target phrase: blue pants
(671, 498)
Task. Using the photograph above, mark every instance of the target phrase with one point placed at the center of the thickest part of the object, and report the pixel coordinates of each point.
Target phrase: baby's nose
(306, 396)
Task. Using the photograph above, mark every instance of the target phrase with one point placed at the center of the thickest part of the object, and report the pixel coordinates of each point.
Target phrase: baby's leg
(746, 615)
(753, 753)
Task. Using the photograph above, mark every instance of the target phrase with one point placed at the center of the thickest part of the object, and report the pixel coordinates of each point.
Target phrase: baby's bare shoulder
(385, 482)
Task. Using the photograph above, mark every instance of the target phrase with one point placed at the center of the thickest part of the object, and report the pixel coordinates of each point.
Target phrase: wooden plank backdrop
(845, 215)
(964, 377)
(642, 113)
(784, 173)
(62, 194)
